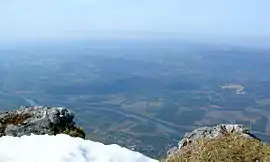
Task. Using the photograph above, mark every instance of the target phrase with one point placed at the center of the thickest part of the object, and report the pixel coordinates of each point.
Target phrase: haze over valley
(143, 95)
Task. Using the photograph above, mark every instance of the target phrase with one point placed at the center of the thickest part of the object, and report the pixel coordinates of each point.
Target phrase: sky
(63, 148)
(26, 19)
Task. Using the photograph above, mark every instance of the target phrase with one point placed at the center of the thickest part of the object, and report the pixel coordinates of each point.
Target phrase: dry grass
(12, 119)
(231, 148)
(15, 119)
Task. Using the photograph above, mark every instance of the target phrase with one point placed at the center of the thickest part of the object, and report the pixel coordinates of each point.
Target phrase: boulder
(39, 120)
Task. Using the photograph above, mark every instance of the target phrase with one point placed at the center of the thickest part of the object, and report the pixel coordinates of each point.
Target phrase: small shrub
(75, 132)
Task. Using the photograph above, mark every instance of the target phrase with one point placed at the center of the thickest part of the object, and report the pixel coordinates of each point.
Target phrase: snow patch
(63, 148)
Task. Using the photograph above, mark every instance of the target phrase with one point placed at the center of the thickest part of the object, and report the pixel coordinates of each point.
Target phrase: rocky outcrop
(39, 120)
(211, 133)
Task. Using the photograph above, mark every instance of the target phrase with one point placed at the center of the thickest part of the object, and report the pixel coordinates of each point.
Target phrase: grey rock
(37, 120)
(172, 151)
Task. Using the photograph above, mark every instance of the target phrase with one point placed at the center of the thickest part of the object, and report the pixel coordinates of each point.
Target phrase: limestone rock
(39, 120)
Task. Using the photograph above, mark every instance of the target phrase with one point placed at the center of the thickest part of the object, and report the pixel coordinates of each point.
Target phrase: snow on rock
(63, 148)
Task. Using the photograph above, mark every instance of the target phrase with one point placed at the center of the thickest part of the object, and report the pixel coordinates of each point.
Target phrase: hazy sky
(78, 18)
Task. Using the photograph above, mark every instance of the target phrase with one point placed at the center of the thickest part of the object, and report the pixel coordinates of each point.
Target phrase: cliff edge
(224, 142)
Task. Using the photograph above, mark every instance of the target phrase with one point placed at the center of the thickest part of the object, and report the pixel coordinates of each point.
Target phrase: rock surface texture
(39, 120)
(211, 133)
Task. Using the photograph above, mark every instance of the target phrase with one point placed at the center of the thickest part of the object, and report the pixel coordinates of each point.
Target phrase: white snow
(63, 148)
